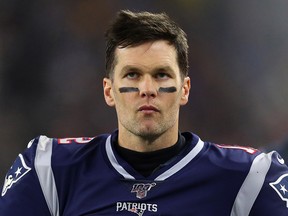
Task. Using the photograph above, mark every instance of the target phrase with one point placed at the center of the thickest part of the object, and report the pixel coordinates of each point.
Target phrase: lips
(148, 109)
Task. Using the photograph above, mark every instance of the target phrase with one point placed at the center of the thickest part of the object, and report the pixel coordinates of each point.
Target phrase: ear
(185, 91)
(108, 92)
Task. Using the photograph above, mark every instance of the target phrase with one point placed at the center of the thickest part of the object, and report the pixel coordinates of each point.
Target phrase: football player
(145, 167)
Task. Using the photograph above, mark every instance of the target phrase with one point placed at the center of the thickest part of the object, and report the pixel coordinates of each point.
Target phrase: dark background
(52, 65)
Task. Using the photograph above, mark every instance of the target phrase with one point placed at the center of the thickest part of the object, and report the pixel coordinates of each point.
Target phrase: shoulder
(45, 143)
(259, 165)
(67, 142)
(266, 184)
(64, 149)
(223, 155)
(254, 158)
(44, 151)
(264, 177)
(234, 154)
(235, 157)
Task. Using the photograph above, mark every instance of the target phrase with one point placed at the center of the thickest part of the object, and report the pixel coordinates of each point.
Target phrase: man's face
(147, 89)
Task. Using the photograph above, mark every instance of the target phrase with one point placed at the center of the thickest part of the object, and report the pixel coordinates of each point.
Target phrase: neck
(137, 143)
(148, 162)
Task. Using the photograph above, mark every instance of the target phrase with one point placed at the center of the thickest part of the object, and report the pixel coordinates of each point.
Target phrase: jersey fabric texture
(86, 177)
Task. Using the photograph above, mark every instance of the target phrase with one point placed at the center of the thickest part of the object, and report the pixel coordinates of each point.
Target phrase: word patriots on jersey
(136, 208)
(281, 187)
(16, 172)
(141, 189)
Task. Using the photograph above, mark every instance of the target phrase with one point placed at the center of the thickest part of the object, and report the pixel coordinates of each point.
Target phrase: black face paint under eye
(161, 89)
(168, 89)
(128, 89)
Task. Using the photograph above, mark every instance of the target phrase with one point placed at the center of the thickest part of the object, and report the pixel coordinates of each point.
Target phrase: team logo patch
(281, 187)
(16, 172)
(141, 189)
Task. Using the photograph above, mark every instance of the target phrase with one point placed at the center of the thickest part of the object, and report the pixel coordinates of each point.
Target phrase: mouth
(148, 109)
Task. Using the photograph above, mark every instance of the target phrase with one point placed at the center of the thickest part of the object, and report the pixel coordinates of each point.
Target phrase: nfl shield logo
(141, 189)
(16, 172)
(281, 187)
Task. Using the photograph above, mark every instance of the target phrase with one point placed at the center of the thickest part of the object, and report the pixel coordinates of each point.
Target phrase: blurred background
(52, 65)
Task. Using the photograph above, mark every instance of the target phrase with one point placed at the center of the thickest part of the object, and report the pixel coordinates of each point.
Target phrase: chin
(150, 133)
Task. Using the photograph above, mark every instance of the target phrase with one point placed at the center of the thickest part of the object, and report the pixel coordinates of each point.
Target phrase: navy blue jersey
(86, 177)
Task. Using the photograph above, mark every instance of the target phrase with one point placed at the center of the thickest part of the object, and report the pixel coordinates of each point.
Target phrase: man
(146, 167)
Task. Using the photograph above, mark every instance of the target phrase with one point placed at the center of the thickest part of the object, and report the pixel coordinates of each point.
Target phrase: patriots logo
(139, 212)
(16, 172)
(281, 187)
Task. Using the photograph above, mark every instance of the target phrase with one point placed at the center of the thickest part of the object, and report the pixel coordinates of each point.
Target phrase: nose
(148, 87)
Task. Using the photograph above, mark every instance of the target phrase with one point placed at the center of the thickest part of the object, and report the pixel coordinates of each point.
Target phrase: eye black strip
(134, 89)
(168, 89)
(128, 89)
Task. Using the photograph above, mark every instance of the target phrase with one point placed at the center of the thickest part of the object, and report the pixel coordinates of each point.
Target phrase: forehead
(148, 55)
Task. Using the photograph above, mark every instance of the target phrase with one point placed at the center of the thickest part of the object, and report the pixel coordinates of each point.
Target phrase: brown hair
(131, 29)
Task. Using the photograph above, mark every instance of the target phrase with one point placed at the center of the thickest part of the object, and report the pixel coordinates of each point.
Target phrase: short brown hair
(131, 29)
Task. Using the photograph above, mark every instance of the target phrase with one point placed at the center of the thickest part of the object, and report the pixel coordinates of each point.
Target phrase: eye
(132, 75)
(162, 75)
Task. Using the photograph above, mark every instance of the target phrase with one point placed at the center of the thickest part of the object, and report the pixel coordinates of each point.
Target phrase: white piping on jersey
(174, 169)
(252, 185)
(114, 161)
(45, 175)
(183, 162)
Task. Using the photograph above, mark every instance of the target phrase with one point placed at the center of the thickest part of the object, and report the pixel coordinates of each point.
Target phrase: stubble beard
(148, 132)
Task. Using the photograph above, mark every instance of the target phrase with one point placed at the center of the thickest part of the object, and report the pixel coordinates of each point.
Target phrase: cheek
(123, 102)
(170, 108)
(173, 99)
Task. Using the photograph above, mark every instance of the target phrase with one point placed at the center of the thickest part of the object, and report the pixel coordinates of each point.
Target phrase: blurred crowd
(52, 57)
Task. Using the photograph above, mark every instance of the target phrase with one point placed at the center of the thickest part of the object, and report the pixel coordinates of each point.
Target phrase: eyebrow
(159, 68)
(128, 68)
